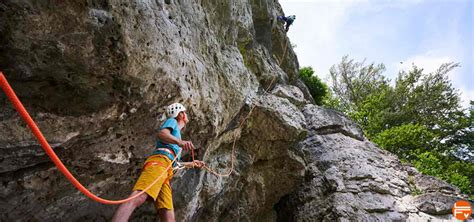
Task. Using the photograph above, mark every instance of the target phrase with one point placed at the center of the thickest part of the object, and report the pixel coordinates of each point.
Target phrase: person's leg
(166, 215)
(164, 201)
(126, 209)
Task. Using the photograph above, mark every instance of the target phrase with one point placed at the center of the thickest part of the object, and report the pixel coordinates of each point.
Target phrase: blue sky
(397, 33)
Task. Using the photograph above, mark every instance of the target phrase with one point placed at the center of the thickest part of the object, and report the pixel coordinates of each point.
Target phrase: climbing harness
(178, 166)
(169, 151)
(61, 167)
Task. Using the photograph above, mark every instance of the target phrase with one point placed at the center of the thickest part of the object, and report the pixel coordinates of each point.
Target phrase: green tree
(317, 88)
(374, 112)
(419, 118)
(463, 140)
(417, 98)
(428, 99)
(452, 170)
(428, 163)
(353, 81)
(333, 102)
(407, 141)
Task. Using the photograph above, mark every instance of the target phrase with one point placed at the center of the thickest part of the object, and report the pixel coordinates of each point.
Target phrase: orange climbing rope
(52, 155)
(47, 148)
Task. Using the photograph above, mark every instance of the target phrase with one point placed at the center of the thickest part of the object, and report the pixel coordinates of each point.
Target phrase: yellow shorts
(161, 191)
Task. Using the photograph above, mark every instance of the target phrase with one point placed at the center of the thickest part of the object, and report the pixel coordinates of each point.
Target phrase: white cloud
(383, 31)
(316, 31)
(428, 61)
(466, 97)
(320, 29)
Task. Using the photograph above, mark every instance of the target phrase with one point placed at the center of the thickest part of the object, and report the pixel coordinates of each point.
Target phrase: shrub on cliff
(317, 88)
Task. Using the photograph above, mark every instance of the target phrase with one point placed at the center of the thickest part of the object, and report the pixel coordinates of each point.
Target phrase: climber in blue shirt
(289, 20)
(169, 146)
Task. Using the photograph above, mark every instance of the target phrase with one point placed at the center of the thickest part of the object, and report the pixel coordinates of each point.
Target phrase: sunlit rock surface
(96, 75)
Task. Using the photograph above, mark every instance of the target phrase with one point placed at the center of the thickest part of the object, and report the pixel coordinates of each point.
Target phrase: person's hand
(198, 164)
(186, 145)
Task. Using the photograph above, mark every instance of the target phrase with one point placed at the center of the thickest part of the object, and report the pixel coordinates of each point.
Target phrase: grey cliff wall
(96, 75)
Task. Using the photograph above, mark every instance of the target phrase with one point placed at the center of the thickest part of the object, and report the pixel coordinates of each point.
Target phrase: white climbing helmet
(173, 110)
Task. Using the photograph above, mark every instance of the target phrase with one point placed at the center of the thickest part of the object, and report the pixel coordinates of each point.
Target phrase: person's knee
(138, 201)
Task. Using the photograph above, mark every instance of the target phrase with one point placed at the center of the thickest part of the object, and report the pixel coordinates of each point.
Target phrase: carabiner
(178, 166)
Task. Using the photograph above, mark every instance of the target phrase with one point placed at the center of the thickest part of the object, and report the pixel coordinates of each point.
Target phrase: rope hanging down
(231, 169)
(52, 155)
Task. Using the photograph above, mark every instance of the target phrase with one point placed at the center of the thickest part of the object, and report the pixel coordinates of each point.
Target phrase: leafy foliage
(317, 88)
(419, 118)
(454, 171)
(406, 140)
(352, 82)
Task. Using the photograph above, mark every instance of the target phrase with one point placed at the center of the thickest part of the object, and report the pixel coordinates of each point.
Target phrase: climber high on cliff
(289, 20)
(168, 145)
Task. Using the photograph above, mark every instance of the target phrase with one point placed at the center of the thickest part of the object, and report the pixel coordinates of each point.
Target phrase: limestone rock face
(350, 179)
(96, 76)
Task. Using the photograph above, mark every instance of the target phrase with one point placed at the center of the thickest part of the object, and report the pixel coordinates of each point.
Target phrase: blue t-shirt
(172, 125)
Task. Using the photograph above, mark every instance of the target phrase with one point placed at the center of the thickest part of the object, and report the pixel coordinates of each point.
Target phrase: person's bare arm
(165, 136)
(194, 164)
